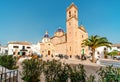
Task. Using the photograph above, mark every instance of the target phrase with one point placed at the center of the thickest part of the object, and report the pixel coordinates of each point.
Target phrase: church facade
(68, 43)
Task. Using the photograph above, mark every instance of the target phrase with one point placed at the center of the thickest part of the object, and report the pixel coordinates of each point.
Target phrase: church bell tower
(71, 26)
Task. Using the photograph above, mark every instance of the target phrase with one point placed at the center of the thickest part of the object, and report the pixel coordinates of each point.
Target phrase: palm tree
(94, 42)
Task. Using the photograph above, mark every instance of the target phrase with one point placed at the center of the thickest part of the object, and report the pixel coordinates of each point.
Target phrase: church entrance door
(48, 52)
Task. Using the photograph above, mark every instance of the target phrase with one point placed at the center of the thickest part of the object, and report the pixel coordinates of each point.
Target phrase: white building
(23, 48)
(115, 47)
(3, 50)
(36, 48)
(100, 51)
(19, 48)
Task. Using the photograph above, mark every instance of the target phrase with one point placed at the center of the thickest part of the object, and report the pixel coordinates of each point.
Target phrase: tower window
(75, 13)
(69, 23)
(69, 14)
(82, 36)
(75, 33)
(70, 48)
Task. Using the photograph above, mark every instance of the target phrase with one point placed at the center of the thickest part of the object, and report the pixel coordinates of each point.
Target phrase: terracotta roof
(81, 27)
(22, 43)
(115, 45)
(3, 46)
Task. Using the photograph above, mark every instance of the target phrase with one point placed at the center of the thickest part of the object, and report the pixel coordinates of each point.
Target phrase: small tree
(32, 70)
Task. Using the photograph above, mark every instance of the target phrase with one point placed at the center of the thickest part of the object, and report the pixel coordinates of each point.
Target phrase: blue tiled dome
(59, 30)
(46, 35)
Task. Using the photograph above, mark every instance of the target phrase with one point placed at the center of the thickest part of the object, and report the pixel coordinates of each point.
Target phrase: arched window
(75, 13)
(69, 14)
(48, 52)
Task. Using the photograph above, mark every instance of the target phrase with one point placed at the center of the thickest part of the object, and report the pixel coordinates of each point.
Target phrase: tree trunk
(93, 55)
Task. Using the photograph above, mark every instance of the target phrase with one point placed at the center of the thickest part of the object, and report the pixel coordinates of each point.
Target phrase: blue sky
(27, 20)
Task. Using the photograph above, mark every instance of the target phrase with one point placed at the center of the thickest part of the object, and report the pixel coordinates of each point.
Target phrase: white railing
(8, 75)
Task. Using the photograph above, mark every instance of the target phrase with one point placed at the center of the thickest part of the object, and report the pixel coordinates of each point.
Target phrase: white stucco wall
(11, 49)
(3, 49)
(101, 51)
(36, 48)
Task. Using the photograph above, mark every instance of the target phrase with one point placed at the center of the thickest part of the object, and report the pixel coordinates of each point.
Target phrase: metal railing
(8, 75)
(110, 62)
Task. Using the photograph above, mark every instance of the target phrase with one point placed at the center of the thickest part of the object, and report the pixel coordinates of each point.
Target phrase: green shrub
(8, 61)
(32, 70)
(91, 78)
(55, 71)
(109, 74)
(51, 70)
(77, 73)
(63, 73)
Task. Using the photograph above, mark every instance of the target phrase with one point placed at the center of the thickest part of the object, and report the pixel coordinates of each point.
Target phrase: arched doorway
(49, 52)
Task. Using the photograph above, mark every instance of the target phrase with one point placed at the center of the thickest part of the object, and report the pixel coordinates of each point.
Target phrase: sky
(28, 20)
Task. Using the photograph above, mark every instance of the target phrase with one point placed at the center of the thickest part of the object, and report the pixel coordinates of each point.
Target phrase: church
(68, 43)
